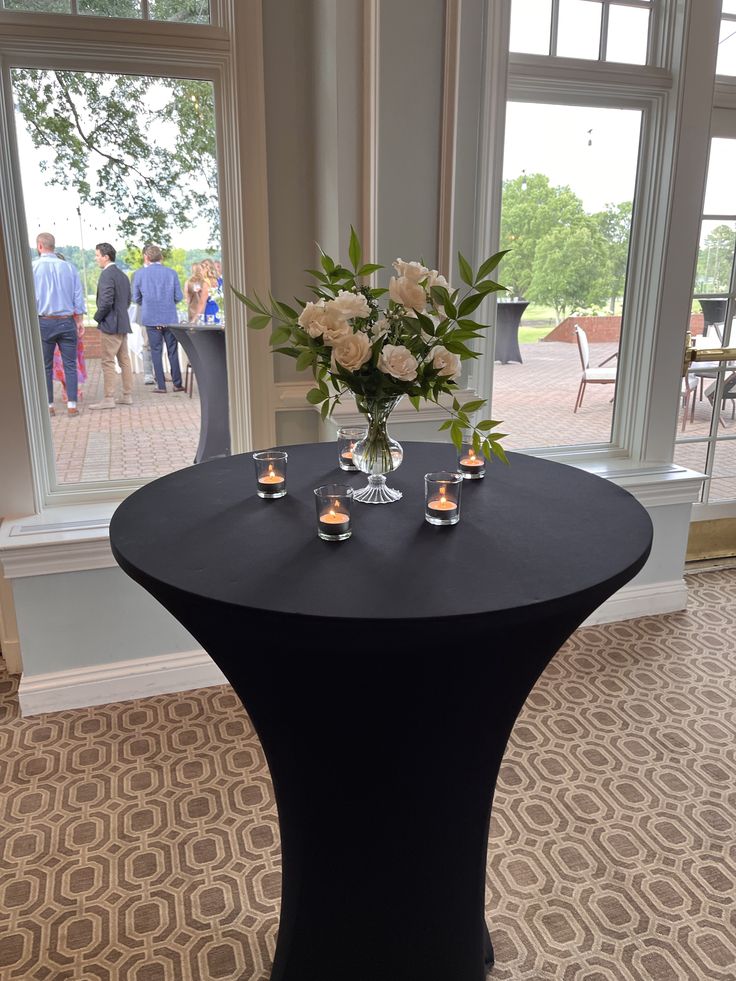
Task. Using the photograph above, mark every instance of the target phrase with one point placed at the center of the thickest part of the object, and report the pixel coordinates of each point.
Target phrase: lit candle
(334, 523)
(471, 464)
(271, 482)
(348, 453)
(442, 504)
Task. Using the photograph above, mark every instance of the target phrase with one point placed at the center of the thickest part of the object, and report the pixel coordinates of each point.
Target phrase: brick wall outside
(602, 330)
(92, 345)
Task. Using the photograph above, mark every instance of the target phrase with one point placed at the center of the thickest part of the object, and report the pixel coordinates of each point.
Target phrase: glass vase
(377, 453)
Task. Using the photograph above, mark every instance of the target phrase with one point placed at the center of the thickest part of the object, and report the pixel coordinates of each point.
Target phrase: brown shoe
(72, 412)
(52, 410)
(159, 391)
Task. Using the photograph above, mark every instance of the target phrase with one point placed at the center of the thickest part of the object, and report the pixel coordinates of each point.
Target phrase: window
(184, 11)
(597, 30)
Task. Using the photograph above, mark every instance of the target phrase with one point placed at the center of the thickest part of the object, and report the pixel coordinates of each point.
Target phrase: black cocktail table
(508, 318)
(383, 675)
(205, 347)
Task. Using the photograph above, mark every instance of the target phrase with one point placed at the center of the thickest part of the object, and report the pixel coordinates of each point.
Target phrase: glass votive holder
(442, 497)
(271, 473)
(333, 511)
(470, 462)
(346, 439)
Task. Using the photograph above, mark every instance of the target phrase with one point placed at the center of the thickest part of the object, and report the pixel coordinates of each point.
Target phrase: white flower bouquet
(414, 346)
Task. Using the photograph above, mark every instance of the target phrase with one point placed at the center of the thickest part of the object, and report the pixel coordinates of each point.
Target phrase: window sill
(76, 538)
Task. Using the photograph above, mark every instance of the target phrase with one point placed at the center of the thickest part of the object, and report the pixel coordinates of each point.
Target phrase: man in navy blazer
(113, 300)
(157, 288)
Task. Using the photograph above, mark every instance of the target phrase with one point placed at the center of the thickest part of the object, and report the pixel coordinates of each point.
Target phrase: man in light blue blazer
(157, 288)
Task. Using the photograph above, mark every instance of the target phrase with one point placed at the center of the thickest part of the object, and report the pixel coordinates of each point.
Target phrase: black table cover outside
(205, 347)
(508, 318)
(383, 675)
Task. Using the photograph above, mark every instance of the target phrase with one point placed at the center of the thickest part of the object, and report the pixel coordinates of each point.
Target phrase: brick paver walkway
(535, 400)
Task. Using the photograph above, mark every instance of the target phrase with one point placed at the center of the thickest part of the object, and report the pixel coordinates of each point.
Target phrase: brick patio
(535, 400)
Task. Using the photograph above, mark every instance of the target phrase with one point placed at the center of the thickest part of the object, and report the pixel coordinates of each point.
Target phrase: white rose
(351, 352)
(409, 294)
(334, 325)
(398, 361)
(415, 272)
(311, 319)
(436, 279)
(447, 364)
(379, 328)
(350, 304)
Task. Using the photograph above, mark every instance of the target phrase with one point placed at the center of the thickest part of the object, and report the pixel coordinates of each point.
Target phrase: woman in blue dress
(214, 295)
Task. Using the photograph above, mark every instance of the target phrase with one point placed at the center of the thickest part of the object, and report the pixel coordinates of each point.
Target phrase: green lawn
(528, 335)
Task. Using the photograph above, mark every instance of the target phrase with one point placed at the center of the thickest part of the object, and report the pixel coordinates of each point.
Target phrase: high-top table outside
(205, 348)
(383, 675)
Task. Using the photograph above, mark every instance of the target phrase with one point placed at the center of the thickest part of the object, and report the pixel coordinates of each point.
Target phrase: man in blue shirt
(157, 288)
(60, 305)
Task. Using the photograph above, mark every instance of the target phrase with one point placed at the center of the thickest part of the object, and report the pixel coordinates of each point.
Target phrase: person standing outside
(113, 300)
(60, 306)
(157, 288)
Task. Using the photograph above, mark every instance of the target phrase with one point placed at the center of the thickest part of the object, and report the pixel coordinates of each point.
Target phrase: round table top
(531, 534)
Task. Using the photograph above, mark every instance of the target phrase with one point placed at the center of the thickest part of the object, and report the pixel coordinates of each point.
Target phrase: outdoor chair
(688, 391)
(728, 394)
(591, 376)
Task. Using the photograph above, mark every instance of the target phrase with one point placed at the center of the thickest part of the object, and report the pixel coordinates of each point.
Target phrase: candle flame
(472, 454)
(443, 500)
(442, 490)
(332, 513)
(270, 468)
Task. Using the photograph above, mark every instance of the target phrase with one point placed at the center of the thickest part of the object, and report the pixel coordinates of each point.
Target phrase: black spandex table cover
(383, 675)
(205, 347)
(508, 318)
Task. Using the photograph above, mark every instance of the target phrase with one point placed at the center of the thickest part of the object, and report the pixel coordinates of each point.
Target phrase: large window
(126, 160)
(569, 181)
(184, 11)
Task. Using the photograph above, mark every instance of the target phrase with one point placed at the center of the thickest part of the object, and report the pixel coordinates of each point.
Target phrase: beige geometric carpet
(139, 841)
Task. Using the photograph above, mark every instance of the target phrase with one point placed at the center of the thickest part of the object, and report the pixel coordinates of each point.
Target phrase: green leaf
(290, 352)
(315, 396)
(304, 360)
(286, 311)
(354, 251)
(446, 424)
(250, 304)
(325, 410)
(487, 424)
(456, 434)
(466, 271)
(326, 262)
(259, 322)
(491, 263)
(469, 304)
(488, 286)
(414, 399)
(474, 405)
(368, 268)
(499, 452)
(280, 335)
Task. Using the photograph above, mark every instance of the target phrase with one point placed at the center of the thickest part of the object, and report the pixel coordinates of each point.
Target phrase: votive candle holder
(442, 497)
(333, 512)
(271, 473)
(470, 462)
(347, 437)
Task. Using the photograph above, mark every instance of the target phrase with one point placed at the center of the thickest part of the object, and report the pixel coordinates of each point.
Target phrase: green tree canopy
(614, 224)
(531, 209)
(715, 259)
(104, 132)
(571, 269)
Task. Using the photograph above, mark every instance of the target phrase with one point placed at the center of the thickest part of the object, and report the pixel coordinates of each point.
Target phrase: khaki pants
(116, 346)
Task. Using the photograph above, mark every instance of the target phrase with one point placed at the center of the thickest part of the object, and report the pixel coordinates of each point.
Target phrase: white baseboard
(118, 682)
(641, 601)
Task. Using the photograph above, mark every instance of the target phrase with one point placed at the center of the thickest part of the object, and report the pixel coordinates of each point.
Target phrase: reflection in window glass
(628, 33)
(530, 25)
(720, 189)
(715, 256)
(729, 7)
(722, 485)
(187, 11)
(110, 8)
(38, 6)
(566, 219)
(579, 31)
(726, 63)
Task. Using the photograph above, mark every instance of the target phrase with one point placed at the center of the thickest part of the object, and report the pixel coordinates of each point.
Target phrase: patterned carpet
(139, 841)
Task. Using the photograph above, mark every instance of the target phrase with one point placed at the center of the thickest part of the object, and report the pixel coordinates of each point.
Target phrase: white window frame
(647, 394)
(109, 45)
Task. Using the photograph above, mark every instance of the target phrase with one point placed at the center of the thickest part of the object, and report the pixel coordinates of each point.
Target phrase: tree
(531, 209)
(614, 224)
(570, 269)
(715, 258)
(104, 131)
